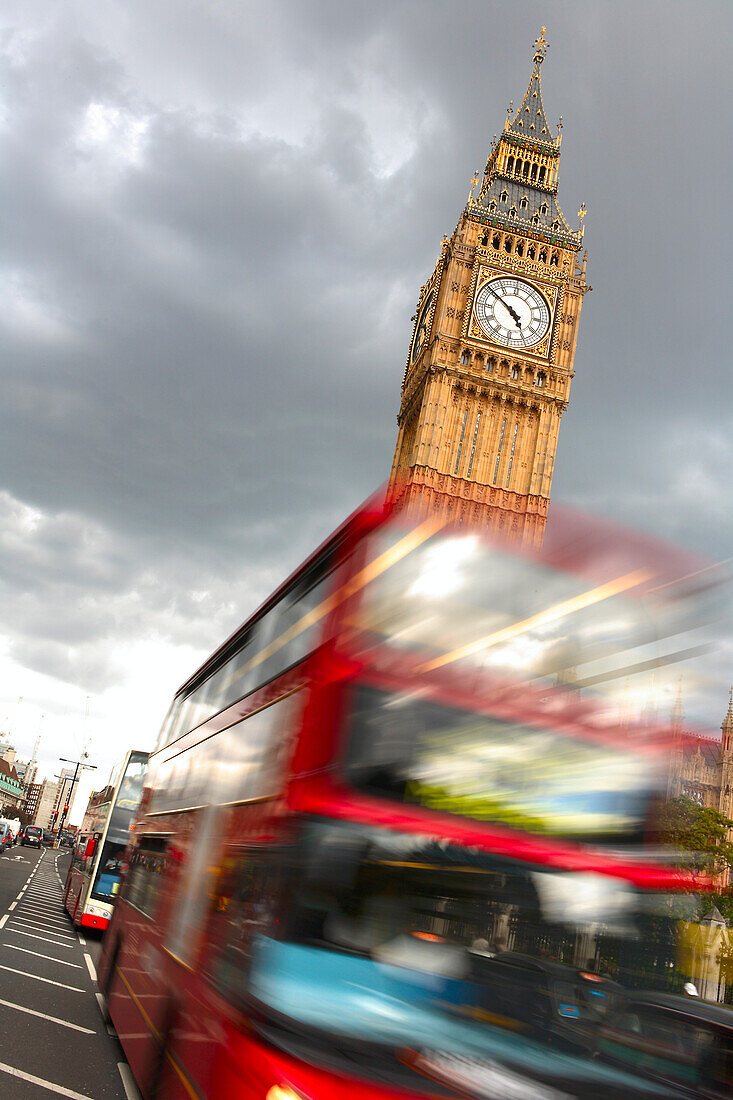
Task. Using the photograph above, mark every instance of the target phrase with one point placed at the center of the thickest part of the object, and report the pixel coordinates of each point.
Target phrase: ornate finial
(581, 214)
(540, 48)
(559, 124)
(474, 181)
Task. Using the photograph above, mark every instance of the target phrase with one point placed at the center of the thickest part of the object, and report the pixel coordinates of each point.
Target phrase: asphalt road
(53, 1039)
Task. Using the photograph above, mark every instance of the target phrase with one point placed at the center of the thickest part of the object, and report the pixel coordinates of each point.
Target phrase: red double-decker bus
(394, 839)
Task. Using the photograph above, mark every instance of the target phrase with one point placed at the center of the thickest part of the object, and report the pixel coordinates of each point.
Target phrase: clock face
(512, 312)
(421, 328)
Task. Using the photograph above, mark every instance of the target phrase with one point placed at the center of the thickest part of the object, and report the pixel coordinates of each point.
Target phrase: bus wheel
(170, 1020)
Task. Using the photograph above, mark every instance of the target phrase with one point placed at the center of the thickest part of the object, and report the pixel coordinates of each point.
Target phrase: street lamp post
(64, 780)
(78, 764)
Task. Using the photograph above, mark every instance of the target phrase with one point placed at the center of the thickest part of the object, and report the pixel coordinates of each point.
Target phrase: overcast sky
(216, 220)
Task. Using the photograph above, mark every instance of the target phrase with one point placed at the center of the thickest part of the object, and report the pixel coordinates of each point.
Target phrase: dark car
(7, 840)
(48, 838)
(676, 1041)
(32, 836)
(549, 1002)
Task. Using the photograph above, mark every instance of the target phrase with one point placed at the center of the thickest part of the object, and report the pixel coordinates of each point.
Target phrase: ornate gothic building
(701, 768)
(491, 357)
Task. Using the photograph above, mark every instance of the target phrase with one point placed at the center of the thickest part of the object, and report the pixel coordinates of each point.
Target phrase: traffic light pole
(79, 764)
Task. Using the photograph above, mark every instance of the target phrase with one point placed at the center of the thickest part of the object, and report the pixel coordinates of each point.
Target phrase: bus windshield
(397, 942)
(107, 878)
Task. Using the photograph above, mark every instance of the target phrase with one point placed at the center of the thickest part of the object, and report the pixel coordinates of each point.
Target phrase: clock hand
(508, 308)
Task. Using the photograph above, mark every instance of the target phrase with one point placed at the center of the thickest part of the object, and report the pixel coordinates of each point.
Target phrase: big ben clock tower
(491, 357)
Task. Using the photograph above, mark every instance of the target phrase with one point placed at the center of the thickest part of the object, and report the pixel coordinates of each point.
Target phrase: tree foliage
(700, 830)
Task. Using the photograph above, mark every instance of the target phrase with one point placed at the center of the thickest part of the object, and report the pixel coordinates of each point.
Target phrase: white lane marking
(82, 941)
(20, 895)
(45, 1016)
(3, 919)
(12, 906)
(41, 928)
(105, 1015)
(38, 978)
(66, 947)
(43, 914)
(128, 1084)
(90, 966)
(27, 951)
(57, 911)
(60, 1090)
(31, 907)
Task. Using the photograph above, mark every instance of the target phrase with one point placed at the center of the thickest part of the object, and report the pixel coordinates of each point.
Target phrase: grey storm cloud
(216, 220)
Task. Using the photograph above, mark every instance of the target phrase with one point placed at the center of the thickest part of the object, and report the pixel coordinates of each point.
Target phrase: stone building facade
(701, 768)
(492, 353)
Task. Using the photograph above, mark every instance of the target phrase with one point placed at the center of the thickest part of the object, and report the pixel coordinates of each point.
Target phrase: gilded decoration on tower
(491, 358)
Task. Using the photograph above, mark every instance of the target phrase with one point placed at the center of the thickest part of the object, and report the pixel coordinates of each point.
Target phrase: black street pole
(64, 780)
(79, 764)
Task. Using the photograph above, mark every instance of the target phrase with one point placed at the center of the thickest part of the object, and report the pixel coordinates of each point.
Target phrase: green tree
(701, 830)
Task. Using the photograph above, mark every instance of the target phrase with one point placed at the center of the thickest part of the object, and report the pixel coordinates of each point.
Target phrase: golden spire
(474, 181)
(581, 214)
(540, 48)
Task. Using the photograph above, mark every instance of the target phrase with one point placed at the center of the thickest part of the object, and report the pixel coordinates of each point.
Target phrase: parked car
(48, 838)
(32, 836)
(7, 840)
(676, 1041)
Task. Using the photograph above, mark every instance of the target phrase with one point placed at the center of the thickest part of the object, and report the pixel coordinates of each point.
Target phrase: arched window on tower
(485, 239)
(510, 164)
(524, 202)
(504, 196)
(520, 248)
(508, 244)
(531, 251)
(543, 208)
(543, 255)
(465, 358)
(534, 171)
(492, 206)
(542, 173)
(525, 169)
(540, 380)
(554, 259)
(496, 241)
(515, 373)
(535, 219)
(490, 365)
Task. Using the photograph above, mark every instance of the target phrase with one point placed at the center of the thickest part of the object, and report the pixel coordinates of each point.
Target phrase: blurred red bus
(409, 783)
(93, 878)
